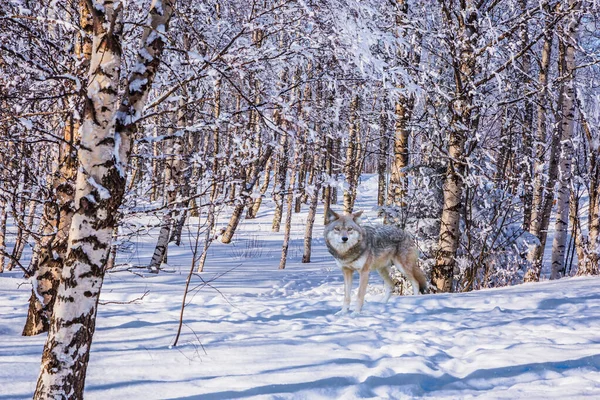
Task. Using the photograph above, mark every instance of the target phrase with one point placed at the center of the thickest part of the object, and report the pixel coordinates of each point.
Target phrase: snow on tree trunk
(408, 57)
(103, 156)
(527, 117)
(540, 148)
(50, 251)
(566, 129)
(461, 108)
(352, 157)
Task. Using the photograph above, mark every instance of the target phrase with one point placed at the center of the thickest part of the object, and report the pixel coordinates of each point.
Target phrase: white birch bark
(352, 156)
(566, 129)
(540, 150)
(103, 156)
(443, 272)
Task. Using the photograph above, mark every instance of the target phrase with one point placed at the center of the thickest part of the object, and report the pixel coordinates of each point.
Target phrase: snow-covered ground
(257, 332)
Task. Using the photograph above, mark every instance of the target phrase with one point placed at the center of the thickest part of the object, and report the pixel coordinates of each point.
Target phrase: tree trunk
(253, 211)
(409, 57)
(23, 236)
(352, 156)
(543, 191)
(527, 117)
(3, 219)
(282, 170)
(589, 246)
(100, 185)
(327, 195)
(290, 208)
(51, 249)
(540, 150)
(382, 158)
(239, 208)
(314, 197)
(460, 126)
(566, 129)
(174, 170)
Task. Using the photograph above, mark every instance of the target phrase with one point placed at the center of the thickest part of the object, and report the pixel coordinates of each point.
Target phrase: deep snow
(273, 334)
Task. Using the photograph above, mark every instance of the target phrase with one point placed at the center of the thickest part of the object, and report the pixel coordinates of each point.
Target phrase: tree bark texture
(103, 156)
(461, 123)
(566, 129)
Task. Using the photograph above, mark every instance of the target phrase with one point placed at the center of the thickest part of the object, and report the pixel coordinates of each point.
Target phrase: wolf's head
(343, 231)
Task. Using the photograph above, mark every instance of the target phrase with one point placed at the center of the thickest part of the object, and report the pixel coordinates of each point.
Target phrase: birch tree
(103, 156)
(565, 130)
(462, 122)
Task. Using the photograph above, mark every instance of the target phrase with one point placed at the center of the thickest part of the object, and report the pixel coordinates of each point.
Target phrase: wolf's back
(388, 237)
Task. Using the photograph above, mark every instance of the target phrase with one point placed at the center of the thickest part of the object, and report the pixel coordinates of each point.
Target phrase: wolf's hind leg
(387, 282)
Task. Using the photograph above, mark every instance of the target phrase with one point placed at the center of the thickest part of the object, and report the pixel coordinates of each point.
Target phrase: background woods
(479, 118)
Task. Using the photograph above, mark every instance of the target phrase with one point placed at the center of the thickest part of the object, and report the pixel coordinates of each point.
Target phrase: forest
(192, 126)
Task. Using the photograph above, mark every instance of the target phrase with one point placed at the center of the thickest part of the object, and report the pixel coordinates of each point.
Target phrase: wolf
(361, 248)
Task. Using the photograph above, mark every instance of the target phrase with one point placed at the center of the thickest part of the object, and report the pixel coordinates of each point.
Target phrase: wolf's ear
(356, 216)
(331, 216)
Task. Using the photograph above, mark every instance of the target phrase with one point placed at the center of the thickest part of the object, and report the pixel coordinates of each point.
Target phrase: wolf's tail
(422, 279)
(419, 274)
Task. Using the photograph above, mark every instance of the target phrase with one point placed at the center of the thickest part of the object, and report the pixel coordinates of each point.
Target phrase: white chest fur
(355, 265)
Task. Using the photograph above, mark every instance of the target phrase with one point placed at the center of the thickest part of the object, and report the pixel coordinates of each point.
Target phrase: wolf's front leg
(362, 289)
(347, 289)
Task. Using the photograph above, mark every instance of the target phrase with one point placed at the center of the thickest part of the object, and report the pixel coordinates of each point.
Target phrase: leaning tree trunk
(566, 128)
(253, 212)
(238, 211)
(100, 185)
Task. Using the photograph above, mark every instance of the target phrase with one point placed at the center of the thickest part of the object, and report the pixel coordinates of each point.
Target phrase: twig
(134, 301)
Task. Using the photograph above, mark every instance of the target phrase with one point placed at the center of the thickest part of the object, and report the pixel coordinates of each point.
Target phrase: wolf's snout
(344, 238)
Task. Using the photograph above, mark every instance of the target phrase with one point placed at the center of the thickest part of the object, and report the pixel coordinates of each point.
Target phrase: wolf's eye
(349, 229)
(337, 229)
